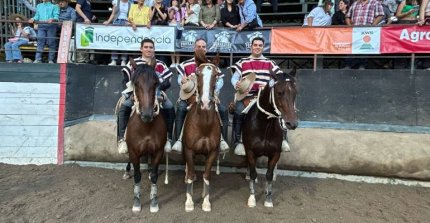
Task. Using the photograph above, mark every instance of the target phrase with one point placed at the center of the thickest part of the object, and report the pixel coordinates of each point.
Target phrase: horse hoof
(206, 206)
(154, 209)
(126, 176)
(268, 204)
(189, 207)
(251, 201)
(136, 209)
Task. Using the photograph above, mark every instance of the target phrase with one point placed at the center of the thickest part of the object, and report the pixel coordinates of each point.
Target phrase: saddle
(248, 102)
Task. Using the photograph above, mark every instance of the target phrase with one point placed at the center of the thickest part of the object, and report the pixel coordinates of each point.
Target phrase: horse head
(284, 96)
(145, 81)
(206, 73)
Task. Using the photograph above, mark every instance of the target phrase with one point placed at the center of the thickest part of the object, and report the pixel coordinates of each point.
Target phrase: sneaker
(285, 147)
(113, 63)
(240, 150)
(123, 63)
(223, 146)
(37, 61)
(177, 147)
(168, 146)
(51, 61)
(19, 61)
(9, 61)
(122, 146)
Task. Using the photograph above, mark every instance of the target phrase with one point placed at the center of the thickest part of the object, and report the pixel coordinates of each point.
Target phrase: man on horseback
(261, 69)
(167, 108)
(185, 70)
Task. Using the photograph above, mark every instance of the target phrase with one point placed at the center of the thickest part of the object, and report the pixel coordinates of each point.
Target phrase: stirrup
(168, 146)
(177, 147)
(122, 147)
(285, 147)
(240, 149)
(223, 145)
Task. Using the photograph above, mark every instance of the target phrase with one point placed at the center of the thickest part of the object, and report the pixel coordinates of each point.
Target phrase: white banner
(366, 40)
(123, 38)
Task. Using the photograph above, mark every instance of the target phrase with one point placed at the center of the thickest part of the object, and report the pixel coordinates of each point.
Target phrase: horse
(146, 130)
(202, 129)
(262, 134)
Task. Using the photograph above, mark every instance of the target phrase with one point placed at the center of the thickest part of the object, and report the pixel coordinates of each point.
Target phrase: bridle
(197, 92)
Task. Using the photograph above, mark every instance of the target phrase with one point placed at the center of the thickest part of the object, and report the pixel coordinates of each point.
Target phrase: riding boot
(285, 147)
(179, 122)
(224, 131)
(169, 117)
(123, 116)
(237, 133)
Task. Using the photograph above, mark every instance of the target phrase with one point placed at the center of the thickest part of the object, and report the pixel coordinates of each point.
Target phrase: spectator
(392, 5)
(193, 12)
(21, 37)
(139, 14)
(47, 13)
(338, 17)
(386, 19)
(67, 13)
(176, 19)
(119, 16)
(249, 18)
(319, 16)
(159, 13)
(407, 12)
(274, 4)
(230, 14)
(424, 13)
(84, 14)
(28, 5)
(209, 14)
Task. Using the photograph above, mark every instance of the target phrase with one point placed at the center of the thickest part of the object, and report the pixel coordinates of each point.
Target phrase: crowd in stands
(239, 15)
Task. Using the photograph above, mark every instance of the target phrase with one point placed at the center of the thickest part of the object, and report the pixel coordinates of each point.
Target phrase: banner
(123, 38)
(221, 40)
(405, 39)
(366, 40)
(303, 40)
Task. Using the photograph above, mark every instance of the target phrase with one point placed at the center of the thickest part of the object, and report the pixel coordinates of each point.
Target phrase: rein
(271, 101)
(137, 107)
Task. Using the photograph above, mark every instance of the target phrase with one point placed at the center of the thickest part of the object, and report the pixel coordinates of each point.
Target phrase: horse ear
(216, 59)
(132, 63)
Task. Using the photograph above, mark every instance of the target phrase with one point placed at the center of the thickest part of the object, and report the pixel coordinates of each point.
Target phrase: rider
(262, 67)
(186, 69)
(167, 108)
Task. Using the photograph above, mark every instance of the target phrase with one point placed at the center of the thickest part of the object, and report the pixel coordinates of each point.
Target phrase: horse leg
(253, 174)
(137, 177)
(206, 206)
(155, 161)
(273, 160)
(189, 204)
(127, 174)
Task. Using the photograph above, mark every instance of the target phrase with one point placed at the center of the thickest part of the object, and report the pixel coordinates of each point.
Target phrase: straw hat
(188, 88)
(244, 86)
(14, 16)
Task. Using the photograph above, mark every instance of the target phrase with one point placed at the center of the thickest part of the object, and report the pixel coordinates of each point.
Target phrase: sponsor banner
(221, 40)
(300, 40)
(366, 40)
(64, 45)
(123, 38)
(405, 39)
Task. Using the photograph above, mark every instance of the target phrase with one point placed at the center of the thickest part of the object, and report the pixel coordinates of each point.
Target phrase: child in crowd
(21, 37)
(176, 18)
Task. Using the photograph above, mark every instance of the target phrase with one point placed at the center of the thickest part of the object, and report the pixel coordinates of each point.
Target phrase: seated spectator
(21, 35)
(193, 12)
(139, 14)
(319, 16)
(47, 13)
(230, 14)
(338, 17)
(176, 19)
(159, 13)
(120, 9)
(209, 15)
(249, 18)
(407, 12)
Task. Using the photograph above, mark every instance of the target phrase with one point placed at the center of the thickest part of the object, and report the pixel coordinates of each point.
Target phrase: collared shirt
(139, 16)
(188, 68)
(262, 67)
(67, 14)
(46, 11)
(209, 15)
(364, 13)
(161, 69)
(320, 17)
(194, 17)
(248, 12)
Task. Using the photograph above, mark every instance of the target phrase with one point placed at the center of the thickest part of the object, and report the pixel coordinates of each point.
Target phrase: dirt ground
(71, 193)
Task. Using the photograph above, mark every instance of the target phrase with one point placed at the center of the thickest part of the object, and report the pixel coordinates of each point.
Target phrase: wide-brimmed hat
(16, 15)
(244, 86)
(188, 88)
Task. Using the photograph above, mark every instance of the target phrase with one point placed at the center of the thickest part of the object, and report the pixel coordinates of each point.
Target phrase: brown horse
(263, 126)
(146, 130)
(202, 129)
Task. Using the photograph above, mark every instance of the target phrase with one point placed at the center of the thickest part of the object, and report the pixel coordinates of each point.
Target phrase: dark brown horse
(202, 128)
(146, 130)
(263, 128)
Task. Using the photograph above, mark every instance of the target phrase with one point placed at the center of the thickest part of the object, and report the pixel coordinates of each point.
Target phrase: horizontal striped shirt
(161, 69)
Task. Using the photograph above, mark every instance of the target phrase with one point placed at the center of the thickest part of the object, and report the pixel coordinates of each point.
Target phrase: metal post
(315, 62)
(412, 63)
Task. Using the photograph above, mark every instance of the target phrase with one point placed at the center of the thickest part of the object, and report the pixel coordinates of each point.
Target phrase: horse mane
(143, 69)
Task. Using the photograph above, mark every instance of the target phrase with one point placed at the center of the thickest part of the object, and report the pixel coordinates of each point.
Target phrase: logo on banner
(222, 41)
(87, 36)
(251, 37)
(366, 40)
(190, 37)
(366, 43)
